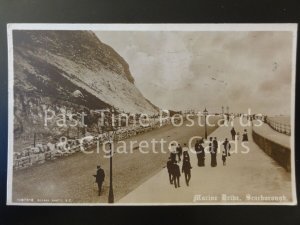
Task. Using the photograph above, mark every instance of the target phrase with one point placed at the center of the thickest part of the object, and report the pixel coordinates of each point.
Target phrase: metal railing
(279, 127)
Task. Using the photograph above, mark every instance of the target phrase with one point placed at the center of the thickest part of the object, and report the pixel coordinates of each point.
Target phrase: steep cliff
(70, 69)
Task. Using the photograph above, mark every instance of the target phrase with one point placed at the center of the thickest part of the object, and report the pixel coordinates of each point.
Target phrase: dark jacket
(233, 132)
(186, 166)
(214, 146)
(245, 136)
(200, 150)
(176, 170)
(227, 147)
(169, 166)
(100, 175)
(179, 150)
(197, 147)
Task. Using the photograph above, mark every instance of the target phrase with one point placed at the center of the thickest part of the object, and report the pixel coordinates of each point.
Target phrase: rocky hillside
(70, 69)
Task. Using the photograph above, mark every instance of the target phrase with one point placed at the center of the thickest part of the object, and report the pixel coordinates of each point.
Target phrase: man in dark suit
(179, 152)
(233, 133)
(99, 178)
(169, 168)
(176, 174)
(186, 169)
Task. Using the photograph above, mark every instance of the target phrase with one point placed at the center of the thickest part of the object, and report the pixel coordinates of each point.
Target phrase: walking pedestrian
(173, 152)
(214, 149)
(169, 168)
(225, 152)
(176, 174)
(233, 133)
(196, 145)
(186, 169)
(185, 151)
(200, 153)
(245, 136)
(179, 152)
(99, 178)
(197, 149)
(210, 148)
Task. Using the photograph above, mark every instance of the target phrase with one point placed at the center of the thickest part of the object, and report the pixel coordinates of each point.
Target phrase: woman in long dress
(201, 153)
(213, 146)
(245, 136)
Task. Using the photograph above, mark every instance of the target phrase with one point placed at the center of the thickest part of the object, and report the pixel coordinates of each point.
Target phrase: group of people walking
(236, 135)
(176, 152)
(213, 149)
(179, 153)
(173, 165)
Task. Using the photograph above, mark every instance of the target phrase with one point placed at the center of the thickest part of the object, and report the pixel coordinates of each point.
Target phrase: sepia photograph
(151, 114)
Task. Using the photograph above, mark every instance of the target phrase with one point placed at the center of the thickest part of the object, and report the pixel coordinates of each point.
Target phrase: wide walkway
(251, 177)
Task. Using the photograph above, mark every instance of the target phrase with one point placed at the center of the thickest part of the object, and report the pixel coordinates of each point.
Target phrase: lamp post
(111, 128)
(111, 198)
(205, 112)
(34, 138)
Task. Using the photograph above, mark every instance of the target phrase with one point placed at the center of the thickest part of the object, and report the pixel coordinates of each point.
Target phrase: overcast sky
(182, 70)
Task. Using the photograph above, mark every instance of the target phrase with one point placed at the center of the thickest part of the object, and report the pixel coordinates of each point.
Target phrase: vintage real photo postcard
(151, 114)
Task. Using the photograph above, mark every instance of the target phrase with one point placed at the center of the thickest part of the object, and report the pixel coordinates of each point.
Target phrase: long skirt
(213, 162)
(201, 160)
(245, 137)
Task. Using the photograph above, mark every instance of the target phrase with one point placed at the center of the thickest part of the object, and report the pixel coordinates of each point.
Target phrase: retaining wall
(279, 153)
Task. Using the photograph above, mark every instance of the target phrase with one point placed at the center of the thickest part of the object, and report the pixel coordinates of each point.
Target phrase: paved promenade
(253, 173)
